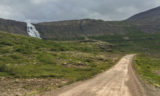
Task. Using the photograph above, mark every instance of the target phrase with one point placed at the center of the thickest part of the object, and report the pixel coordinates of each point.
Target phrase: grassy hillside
(25, 57)
(48, 64)
(149, 68)
(134, 42)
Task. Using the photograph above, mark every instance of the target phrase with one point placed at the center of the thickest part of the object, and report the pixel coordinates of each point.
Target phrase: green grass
(149, 68)
(26, 57)
(137, 42)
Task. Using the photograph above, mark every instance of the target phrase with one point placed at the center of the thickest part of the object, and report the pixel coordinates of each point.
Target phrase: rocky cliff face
(79, 29)
(12, 26)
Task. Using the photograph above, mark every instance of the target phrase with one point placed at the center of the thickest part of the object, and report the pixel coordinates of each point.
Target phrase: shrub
(24, 49)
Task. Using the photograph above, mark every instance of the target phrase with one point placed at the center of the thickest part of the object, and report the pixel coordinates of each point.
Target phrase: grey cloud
(55, 10)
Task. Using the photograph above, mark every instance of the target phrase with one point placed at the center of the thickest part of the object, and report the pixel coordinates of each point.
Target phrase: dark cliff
(79, 29)
(12, 26)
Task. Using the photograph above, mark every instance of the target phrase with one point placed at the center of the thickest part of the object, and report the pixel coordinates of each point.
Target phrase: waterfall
(32, 31)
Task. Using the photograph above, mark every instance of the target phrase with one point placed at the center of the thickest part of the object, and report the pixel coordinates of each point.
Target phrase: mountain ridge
(83, 28)
(151, 13)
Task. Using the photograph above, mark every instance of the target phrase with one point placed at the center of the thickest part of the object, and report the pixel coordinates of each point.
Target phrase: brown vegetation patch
(23, 87)
(157, 72)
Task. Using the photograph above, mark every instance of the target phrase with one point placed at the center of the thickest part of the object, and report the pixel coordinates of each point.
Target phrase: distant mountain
(148, 22)
(150, 16)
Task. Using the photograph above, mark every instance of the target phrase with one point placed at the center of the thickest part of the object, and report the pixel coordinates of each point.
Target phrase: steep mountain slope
(148, 21)
(80, 29)
(149, 16)
(12, 26)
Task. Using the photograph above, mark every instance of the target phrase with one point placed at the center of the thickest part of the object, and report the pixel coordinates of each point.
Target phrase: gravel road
(120, 80)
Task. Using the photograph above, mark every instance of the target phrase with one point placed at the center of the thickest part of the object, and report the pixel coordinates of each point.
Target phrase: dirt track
(120, 80)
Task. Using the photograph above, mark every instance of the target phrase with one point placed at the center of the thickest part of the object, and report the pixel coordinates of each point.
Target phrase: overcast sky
(56, 10)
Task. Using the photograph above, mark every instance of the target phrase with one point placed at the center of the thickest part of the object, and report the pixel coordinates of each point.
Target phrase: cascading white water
(32, 31)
